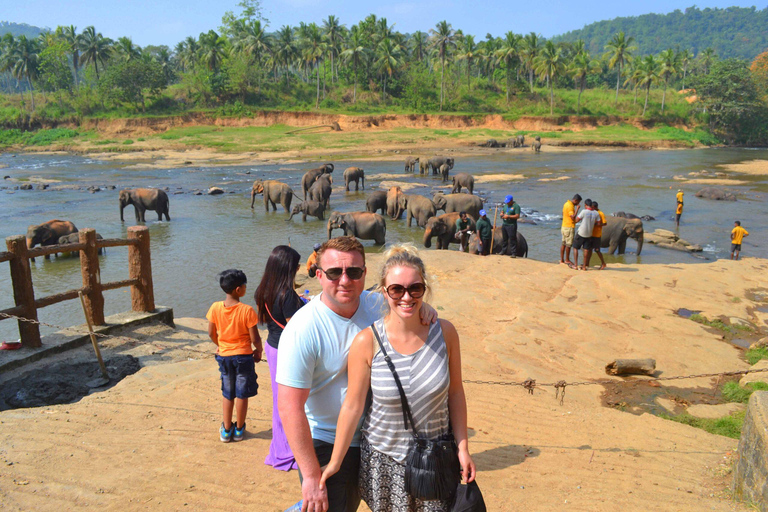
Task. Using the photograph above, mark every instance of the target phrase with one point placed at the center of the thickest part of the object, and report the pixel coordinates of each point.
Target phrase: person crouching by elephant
(597, 234)
(462, 231)
(276, 302)
(568, 229)
(312, 261)
(583, 239)
(509, 215)
(485, 233)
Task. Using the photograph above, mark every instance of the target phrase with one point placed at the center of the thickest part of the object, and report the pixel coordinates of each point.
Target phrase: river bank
(156, 444)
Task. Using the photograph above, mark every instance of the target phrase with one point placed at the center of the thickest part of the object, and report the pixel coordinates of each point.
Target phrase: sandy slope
(150, 442)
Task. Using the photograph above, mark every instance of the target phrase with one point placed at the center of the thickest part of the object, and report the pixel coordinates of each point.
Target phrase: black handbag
(468, 498)
(432, 470)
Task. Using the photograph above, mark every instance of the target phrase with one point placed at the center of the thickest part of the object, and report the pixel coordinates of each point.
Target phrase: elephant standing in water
(498, 242)
(363, 225)
(274, 192)
(437, 161)
(410, 163)
(463, 180)
(144, 199)
(311, 175)
(377, 201)
(320, 190)
(617, 230)
(354, 174)
(459, 203)
(48, 233)
(424, 166)
(444, 169)
(536, 146)
(394, 202)
(444, 228)
(309, 207)
(417, 207)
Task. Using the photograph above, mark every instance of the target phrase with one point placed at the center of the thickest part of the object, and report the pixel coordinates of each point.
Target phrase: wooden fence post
(140, 268)
(89, 265)
(23, 292)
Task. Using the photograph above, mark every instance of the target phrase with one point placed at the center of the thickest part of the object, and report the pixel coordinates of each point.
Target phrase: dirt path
(150, 442)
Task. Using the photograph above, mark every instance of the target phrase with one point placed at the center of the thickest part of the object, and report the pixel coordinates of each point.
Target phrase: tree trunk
(631, 367)
(530, 77)
(317, 101)
(636, 94)
(31, 92)
(551, 95)
(685, 68)
(354, 93)
(325, 77)
(618, 80)
(664, 95)
(578, 102)
(647, 92)
(331, 67)
(442, 74)
(507, 87)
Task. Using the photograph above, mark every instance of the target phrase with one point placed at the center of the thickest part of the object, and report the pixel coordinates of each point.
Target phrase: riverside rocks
(716, 194)
(669, 240)
(214, 191)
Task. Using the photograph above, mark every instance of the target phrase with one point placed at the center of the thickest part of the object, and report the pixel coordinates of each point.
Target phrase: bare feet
(602, 267)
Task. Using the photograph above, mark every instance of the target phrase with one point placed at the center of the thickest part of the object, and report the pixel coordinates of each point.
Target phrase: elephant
(498, 240)
(515, 143)
(48, 233)
(444, 228)
(463, 180)
(320, 190)
(354, 174)
(394, 199)
(311, 175)
(417, 207)
(363, 225)
(424, 166)
(469, 203)
(436, 161)
(444, 169)
(632, 216)
(617, 230)
(274, 192)
(74, 238)
(377, 201)
(520, 140)
(308, 207)
(410, 163)
(144, 199)
(536, 146)
(493, 143)
(716, 194)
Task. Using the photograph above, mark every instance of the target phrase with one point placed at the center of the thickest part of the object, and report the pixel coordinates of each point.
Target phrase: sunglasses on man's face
(335, 273)
(416, 290)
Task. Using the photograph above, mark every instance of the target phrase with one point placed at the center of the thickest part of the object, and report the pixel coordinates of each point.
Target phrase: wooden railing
(139, 272)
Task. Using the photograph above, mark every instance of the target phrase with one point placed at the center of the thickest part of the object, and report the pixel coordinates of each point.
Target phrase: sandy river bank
(150, 442)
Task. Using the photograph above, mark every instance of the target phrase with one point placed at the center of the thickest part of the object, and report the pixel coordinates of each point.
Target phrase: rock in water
(716, 194)
(214, 191)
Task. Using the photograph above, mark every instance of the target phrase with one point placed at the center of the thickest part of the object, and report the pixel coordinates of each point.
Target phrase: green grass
(754, 355)
(720, 325)
(127, 142)
(728, 426)
(38, 138)
(732, 392)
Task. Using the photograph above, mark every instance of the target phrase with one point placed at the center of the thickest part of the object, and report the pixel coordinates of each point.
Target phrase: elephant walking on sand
(274, 192)
(463, 180)
(376, 201)
(48, 233)
(363, 225)
(444, 228)
(311, 175)
(309, 207)
(354, 174)
(144, 199)
(617, 230)
(410, 163)
(498, 242)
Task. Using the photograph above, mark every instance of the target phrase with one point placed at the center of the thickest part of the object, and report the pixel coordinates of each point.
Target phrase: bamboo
(93, 338)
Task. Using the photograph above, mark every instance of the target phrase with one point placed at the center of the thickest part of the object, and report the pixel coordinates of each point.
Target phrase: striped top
(425, 378)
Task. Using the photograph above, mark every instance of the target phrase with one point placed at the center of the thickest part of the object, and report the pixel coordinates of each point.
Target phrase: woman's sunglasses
(335, 273)
(416, 290)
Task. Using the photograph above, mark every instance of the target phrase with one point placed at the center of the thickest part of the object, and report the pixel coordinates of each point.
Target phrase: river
(210, 233)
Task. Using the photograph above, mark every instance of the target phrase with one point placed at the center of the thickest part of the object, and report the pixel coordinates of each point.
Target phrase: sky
(170, 21)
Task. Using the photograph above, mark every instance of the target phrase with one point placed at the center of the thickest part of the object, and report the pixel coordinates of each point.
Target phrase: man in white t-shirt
(312, 372)
(583, 239)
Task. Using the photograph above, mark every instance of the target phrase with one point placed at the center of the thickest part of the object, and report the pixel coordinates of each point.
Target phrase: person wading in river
(679, 210)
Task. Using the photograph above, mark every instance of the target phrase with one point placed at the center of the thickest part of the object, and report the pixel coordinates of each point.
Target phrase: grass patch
(728, 426)
(127, 142)
(720, 325)
(754, 355)
(38, 138)
(104, 142)
(732, 392)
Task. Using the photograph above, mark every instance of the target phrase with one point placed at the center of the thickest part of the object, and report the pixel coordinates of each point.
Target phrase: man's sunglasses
(416, 290)
(335, 273)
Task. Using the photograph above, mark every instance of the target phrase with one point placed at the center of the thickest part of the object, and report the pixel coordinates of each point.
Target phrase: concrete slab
(65, 340)
(714, 411)
(756, 377)
(750, 474)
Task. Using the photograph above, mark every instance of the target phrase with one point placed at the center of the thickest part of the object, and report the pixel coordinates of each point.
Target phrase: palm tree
(530, 52)
(550, 64)
(313, 51)
(388, 58)
(7, 45)
(669, 66)
(469, 52)
(508, 54)
(648, 73)
(72, 38)
(24, 58)
(581, 66)
(94, 48)
(334, 34)
(418, 43)
(125, 47)
(187, 52)
(213, 48)
(355, 53)
(632, 72)
(443, 39)
(284, 49)
(685, 58)
(253, 41)
(707, 57)
(619, 52)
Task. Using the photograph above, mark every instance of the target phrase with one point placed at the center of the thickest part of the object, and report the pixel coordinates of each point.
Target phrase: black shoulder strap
(407, 416)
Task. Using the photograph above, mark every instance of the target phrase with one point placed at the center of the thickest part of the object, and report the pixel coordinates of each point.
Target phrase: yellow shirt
(679, 197)
(597, 231)
(737, 234)
(679, 208)
(568, 210)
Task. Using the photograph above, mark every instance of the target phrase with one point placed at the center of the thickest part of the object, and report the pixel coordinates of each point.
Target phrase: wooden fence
(139, 271)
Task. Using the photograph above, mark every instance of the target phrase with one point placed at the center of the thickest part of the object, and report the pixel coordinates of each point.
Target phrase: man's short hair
(738, 223)
(462, 213)
(594, 205)
(577, 197)
(341, 244)
(231, 279)
(588, 202)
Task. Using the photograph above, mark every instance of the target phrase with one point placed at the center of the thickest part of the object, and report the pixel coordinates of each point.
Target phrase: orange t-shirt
(311, 260)
(597, 231)
(232, 324)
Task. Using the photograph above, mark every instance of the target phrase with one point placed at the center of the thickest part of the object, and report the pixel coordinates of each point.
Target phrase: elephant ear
(46, 235)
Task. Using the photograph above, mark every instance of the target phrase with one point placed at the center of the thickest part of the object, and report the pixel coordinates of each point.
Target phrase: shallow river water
(210, 233)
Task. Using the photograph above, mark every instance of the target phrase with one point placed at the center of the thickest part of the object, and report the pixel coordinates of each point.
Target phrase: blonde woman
(427, 359)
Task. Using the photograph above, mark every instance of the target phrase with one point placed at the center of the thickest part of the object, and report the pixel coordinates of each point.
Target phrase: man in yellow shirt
(737, 235)
(679, 210)
(568, 229)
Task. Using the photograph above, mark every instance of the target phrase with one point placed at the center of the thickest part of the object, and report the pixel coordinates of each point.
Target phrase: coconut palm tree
(647, 73)
(252, 40)
(707, 57)
(669, 66)
(213, 49)
(443, 40)
(619, 52)
(7, 45)
(285, 51)
(388, 56)
(509, 55)
(94, 48)
(582, 66)
(356, 53)
(24, 57)
(469, 52)
(334, 34)
(313, 51)
(530, 50)
(685, 57)
(72, 38)
(126, 49)
(550, 64)
(418, 43)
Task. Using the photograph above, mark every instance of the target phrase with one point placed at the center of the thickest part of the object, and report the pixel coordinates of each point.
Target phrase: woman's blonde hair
(404, 255)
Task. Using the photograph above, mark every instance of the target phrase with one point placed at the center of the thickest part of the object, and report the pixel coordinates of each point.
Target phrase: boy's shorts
(596, 243)
(735, 247)
(567, 236)
(582, 243)
(238, 376)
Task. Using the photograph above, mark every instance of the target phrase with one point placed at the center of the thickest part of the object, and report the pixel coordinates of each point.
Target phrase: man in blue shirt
(509, 215)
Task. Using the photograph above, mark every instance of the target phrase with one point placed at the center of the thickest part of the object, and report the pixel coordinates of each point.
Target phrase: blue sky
(169, 21)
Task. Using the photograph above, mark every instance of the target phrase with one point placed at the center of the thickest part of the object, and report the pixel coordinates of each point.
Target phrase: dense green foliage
(38, 138)
(733, 32)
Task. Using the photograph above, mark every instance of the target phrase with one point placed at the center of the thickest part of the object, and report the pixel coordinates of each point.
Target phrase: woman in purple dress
(276, 303)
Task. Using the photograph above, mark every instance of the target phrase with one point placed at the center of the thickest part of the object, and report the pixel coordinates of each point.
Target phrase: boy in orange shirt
(232, 327)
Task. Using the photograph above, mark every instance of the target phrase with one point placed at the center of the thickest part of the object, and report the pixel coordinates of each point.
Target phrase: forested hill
(731, 32)
(20, 29)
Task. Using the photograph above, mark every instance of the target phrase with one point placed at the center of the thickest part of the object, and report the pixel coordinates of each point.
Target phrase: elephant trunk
(330, 229)
(122, 207)
(253, 198)
(428, 238)
(639, 245)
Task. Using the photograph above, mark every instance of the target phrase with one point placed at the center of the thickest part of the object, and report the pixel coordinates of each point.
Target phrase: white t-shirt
(313, 353)
(588, 219)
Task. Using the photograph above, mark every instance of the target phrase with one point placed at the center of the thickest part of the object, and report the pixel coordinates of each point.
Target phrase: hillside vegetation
(19, 29)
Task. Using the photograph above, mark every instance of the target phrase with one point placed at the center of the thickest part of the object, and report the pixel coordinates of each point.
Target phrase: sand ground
(150, 442)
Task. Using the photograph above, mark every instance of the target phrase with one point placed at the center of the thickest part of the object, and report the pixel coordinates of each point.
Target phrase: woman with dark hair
(276, 303)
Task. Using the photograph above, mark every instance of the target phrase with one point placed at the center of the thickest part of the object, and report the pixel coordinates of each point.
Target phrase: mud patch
(648, 396)
(686, 313)
(62, 383)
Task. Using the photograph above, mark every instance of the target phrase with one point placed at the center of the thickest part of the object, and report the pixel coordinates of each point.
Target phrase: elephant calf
(354, 174)
(410, 163)
(74, 238)
(309, 207)
(498, 241)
